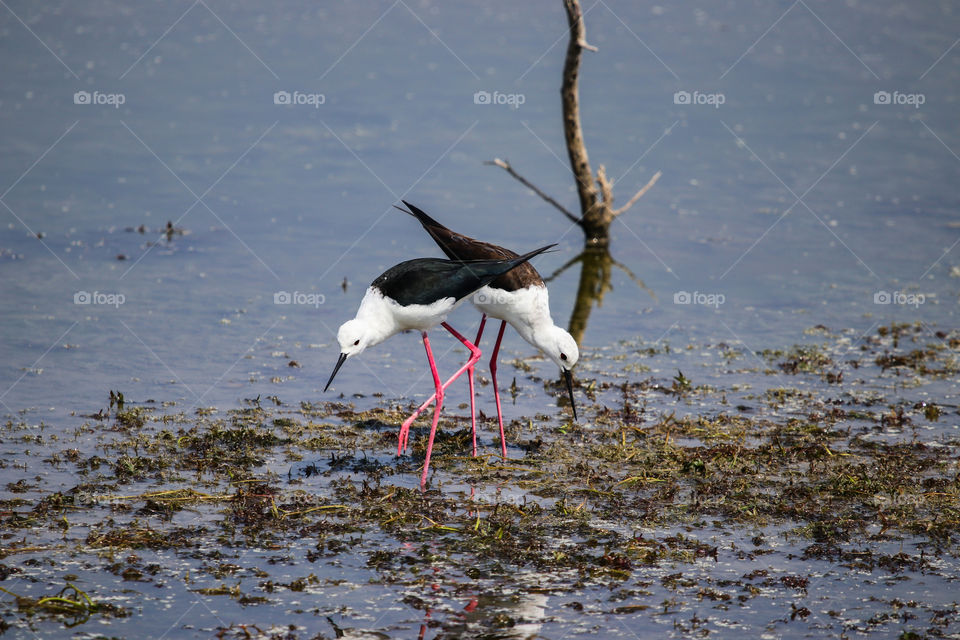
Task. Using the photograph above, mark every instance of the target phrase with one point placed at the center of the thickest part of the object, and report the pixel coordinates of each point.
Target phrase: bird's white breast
(524, 309)
(419, 317)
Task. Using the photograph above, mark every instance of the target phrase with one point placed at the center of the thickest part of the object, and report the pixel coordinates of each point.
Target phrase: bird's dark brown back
(457, 246)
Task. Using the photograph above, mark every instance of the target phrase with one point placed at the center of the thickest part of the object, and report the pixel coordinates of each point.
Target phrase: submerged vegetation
(831, 470)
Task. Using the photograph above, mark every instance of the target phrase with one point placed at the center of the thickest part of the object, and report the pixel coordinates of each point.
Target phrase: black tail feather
(422, 216)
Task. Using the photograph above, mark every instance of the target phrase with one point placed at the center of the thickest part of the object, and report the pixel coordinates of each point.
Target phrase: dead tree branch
(572, 130)
(503, 164)
(638, 194)
(595, 192)
(606, 187)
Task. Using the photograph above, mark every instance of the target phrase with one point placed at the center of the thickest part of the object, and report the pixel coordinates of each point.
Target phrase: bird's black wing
(426, 280)
(457, 246)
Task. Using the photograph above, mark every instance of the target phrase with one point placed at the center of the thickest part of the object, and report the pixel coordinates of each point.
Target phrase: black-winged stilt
(518, 297)
(418, 294)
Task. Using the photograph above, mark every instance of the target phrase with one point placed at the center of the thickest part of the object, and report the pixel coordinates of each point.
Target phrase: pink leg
(436, 409)
(473, 408)
(474, 357)
(496, 390)
(404, 435)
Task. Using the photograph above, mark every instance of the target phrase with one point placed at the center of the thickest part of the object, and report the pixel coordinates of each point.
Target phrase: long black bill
(568, 376)
(343, 358)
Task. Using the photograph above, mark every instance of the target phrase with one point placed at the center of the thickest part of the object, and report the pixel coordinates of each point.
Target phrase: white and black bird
(417, 295)
(518, 297)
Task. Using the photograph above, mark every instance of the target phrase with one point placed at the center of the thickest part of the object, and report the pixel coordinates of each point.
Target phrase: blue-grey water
(808, 150)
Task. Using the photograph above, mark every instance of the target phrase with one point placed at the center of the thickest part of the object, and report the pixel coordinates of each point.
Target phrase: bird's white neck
(376, 317)
(538, 332)
(527, 310)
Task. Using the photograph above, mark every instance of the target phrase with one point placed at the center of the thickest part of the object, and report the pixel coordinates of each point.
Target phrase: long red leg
(404, 435)
(474, 357)
(436, 409)
(496, 390)
(473, 408)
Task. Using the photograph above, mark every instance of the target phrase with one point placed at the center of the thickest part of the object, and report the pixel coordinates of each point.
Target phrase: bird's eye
(358, 342)
(563, 357)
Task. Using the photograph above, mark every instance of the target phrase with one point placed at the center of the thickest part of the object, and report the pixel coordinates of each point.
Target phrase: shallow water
(295, 198)
(299, 198)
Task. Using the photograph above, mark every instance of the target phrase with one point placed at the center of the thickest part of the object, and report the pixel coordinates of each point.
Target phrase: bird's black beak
(568, 376)
(343, 358)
